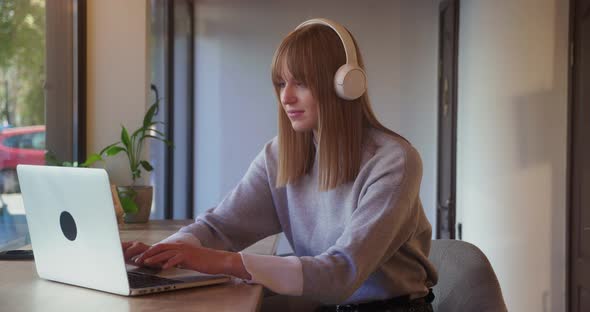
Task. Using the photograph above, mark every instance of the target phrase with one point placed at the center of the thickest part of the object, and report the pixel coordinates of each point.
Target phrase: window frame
(65, 79)
(173, 26)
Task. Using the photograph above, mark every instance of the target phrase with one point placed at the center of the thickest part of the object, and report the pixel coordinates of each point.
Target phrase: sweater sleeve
(245, 215)
(282, 275)
(385, 218)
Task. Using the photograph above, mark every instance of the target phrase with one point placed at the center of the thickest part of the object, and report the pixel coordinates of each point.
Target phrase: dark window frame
(446, 225)
(65, 86)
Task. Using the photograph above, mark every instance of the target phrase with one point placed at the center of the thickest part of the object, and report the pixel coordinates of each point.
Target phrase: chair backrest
(466, 280)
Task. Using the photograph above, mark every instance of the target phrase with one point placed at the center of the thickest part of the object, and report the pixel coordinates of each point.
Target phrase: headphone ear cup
(350, 82)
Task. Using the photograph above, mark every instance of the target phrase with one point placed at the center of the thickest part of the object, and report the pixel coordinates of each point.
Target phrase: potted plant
(136, 200)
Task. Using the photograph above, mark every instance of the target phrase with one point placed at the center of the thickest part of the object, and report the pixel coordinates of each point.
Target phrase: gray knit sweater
(365, 240)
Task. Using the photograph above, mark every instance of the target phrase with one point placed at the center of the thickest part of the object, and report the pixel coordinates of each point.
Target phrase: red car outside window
(21, 145)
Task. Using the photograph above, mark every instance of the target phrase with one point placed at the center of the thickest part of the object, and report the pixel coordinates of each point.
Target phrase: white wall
(512, 144)
(117, 75)
(236, 109)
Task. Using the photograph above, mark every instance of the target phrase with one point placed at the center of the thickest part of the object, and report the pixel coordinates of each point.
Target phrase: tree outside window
(22, 62)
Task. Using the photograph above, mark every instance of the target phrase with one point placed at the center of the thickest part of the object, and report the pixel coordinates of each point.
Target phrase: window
(41, 96)
(172, 26)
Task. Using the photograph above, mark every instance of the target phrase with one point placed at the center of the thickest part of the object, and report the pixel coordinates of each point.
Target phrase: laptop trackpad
(172, 273)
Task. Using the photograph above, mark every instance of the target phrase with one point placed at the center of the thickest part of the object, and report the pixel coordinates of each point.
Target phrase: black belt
(401, 303)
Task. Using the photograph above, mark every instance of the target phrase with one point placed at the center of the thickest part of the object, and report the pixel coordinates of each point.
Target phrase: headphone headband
(349, 47)
(350, 80)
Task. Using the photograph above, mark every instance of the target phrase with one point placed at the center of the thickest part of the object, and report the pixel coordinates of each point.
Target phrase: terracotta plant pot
(143, 200)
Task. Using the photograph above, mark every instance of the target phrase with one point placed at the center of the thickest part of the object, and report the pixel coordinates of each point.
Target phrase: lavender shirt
(365, 240)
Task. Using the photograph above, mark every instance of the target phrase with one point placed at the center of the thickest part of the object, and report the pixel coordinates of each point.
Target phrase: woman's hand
(132, 250)
(190, 257)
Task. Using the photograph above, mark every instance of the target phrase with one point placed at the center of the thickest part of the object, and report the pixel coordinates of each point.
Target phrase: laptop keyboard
(139, 280)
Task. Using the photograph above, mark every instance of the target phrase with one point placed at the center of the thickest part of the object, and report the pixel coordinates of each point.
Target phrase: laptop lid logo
(68, 225)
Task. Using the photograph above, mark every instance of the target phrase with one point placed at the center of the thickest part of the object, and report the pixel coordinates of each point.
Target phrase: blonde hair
(312, 54)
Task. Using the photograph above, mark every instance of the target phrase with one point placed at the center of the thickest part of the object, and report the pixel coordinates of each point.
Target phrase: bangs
(292, 56)
(312, 55)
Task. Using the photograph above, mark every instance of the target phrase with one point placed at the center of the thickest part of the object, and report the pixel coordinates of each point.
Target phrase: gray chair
(466, 279)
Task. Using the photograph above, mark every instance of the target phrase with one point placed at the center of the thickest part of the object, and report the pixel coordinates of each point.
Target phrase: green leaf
(127, 198)
(136, 174)
(51, 159)
(125, 138)
(114, 150)
(128, 205)
(108, 146)
(150, 115)
(138, 131)
(146, 165)
(91, 160)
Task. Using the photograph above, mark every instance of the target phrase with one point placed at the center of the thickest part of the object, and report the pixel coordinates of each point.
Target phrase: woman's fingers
(161, 257)
(168, 255)
(132, 249)
(174, 261)
(154, 250)
(135, 249)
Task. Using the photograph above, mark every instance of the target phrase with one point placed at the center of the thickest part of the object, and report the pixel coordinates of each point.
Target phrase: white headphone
(350, 81)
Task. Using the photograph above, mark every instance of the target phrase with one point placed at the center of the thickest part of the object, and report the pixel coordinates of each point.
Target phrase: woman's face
(298, 102)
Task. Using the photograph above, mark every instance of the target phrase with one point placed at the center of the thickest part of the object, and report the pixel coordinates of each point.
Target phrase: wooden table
(22, 290)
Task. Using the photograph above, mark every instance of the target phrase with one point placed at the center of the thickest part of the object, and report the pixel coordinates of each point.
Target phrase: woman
(343, 188)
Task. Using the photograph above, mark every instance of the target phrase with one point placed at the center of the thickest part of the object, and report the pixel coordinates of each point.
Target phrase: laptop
(75, 237)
